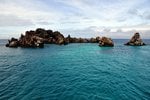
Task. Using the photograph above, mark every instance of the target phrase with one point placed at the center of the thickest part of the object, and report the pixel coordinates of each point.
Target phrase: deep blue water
(75, 72)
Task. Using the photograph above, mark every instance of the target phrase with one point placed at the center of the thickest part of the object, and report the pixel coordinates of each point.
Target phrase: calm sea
(75, 72)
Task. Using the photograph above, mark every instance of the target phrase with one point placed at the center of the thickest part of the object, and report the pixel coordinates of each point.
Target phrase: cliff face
(135, 40)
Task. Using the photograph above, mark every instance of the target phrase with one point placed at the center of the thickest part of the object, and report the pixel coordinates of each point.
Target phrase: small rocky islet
(135, 40)
(39, 37)
(105, 41)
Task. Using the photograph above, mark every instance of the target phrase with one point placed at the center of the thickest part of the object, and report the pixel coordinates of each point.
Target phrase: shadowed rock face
(135, 40)
(106, 42)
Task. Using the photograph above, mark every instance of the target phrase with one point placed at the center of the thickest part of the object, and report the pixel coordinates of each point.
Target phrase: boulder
(135, 40)
(12, 43)
(105, 41)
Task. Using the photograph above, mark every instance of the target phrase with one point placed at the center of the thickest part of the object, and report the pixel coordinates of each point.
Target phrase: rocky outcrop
(37, 38)
(12, 43)
(40, 36)
(70, 39)
(104, 41)
(135, 40)
(31, 41)
(59, 38)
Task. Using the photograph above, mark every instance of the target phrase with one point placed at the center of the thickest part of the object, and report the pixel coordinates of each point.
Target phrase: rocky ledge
(135, 40)
(40, 36)
(106, 42)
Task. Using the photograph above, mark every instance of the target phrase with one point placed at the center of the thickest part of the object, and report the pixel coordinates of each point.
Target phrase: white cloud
(78, 17)
(11, 20)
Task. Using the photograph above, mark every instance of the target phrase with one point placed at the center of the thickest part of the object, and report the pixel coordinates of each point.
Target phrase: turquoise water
(75, 72)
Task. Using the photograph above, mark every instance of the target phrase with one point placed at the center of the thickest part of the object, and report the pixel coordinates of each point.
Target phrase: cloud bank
(81, 18)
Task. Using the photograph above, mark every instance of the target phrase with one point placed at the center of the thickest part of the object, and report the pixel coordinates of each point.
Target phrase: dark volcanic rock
(135, 40)
(37, 38)
(13, 43)
(40, 36)
(59, 38)
(31, 41)
(104, 41)
(41, 33)
(70, 39)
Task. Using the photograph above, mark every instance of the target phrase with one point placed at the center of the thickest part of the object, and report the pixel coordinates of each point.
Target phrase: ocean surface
(81, 71)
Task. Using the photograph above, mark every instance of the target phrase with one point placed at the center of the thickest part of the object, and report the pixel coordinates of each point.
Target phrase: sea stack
(106, 42)
(135, 40)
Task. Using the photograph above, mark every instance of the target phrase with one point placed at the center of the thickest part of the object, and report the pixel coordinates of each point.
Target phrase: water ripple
(75, 72)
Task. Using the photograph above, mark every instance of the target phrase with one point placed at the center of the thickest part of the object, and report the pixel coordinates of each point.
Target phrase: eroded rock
(12, 43)
(105, 41)
(135, 40)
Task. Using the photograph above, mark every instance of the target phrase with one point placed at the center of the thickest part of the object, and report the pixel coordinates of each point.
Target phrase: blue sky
(79, 18)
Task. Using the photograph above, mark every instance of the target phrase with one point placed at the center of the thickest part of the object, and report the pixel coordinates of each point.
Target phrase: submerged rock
(104, 41)
(135, 40)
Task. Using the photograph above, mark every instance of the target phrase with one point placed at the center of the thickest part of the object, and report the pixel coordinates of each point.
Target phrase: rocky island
(107, 42)
(37, 38)
(40, 36)
(135, 40)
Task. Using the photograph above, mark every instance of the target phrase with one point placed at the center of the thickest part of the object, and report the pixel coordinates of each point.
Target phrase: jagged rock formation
(37, 38)
(135, 40)
(104, 41)
(40, 36)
